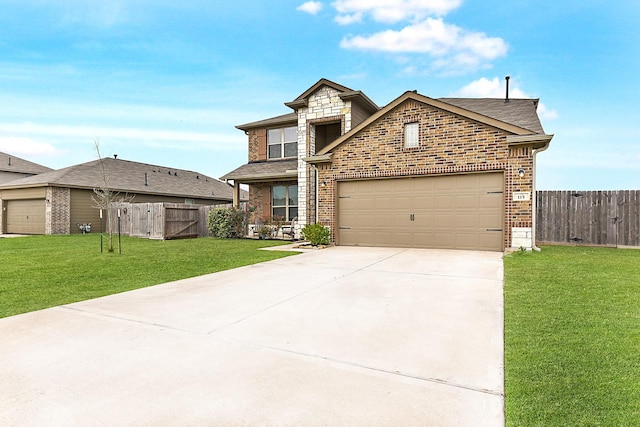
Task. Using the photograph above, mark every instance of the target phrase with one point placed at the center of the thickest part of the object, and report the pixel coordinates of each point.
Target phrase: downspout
(317, 192)
(534, 198)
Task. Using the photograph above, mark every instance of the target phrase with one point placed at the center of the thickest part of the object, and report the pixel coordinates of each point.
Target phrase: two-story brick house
(419, 172)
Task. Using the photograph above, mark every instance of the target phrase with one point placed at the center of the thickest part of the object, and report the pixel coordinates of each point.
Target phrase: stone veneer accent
(323, 106)
(449, 144)
(58, 211)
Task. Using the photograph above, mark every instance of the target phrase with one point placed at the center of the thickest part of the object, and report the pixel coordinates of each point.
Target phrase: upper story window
(282, 142)
(411, 135)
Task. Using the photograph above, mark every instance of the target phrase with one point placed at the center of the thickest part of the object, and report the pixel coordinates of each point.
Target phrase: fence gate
(602, 218)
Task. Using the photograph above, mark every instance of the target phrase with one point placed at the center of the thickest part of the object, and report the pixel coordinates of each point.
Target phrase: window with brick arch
(282, 142)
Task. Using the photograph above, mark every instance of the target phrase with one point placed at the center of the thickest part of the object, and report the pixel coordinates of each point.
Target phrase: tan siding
(83, 211)
(358, 115)
(23, 193)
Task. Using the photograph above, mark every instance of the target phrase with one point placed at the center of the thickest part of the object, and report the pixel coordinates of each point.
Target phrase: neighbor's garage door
(447, 212)
(25, 216)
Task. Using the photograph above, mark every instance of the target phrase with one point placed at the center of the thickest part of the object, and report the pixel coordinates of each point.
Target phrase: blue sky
(165, 82)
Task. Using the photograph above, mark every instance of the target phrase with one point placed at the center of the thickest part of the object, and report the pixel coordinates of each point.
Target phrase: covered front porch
(273, 197)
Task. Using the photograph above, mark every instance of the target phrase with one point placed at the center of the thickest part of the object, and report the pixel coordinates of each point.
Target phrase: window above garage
(411, 135)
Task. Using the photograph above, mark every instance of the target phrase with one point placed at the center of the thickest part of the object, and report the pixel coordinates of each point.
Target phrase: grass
(37, 272)
(572, 337)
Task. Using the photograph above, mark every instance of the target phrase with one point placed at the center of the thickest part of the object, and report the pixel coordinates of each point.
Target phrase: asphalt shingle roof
(519, 112)
(128, 176)
(9, 163)
(265, 170)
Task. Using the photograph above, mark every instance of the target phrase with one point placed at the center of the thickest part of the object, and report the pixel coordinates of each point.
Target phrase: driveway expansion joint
(375, 369)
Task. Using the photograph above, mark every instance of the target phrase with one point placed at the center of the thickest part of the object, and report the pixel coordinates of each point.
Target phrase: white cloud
(102, 15)
(89, 133)
(495, 88)
(348, 19)
(310, 7)
(545, 113)
(22, 146)
(450, 45)
(391, 11)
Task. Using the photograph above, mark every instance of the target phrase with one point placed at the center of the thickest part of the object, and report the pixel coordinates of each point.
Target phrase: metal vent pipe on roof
(506, 99)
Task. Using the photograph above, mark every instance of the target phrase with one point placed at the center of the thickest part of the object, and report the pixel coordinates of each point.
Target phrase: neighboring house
(419, 172)
(12, 168)
(56, 201)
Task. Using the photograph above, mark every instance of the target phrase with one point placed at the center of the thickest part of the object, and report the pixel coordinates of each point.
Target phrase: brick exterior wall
(448, 144)
(58, 211)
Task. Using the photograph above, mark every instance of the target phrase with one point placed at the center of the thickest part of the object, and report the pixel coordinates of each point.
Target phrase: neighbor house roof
(493, 107)
(267, 170)
(132, 177)
(9, 163)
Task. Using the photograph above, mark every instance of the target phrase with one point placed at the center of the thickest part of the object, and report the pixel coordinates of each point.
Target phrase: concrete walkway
(341, 336)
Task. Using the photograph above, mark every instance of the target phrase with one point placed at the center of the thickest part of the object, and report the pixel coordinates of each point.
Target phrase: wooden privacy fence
(602, 218)
(161, 220)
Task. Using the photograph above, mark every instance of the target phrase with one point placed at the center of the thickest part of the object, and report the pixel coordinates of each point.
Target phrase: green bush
(316, 234)
(228, 223)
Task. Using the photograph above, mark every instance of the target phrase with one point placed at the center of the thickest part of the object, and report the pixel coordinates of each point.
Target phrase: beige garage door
(25, 216)
(446, 212)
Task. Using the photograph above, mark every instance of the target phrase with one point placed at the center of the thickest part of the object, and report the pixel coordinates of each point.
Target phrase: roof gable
(447, 106)
(302, 99)
(345, 94)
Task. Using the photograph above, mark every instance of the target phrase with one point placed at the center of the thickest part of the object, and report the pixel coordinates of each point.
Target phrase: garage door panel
(25, 216)
(454, 211)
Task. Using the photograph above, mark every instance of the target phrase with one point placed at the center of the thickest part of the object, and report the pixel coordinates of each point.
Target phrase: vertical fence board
(602, 218)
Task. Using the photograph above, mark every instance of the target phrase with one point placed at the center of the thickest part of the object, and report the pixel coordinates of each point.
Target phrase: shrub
(265, 231)
(228, 223)
(316, 234)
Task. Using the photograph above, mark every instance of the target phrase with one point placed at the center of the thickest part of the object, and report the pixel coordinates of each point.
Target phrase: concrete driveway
(341, 336)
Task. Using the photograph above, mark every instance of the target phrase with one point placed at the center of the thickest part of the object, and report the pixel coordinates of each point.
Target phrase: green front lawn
(572, 337)
(44, 271)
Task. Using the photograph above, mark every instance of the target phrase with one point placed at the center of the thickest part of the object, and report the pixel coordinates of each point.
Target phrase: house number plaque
(521, 196)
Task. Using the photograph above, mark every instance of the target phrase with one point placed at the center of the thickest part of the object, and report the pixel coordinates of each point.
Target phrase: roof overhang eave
(252, 179)
(294, 105)
(538, 141)
(318, 159)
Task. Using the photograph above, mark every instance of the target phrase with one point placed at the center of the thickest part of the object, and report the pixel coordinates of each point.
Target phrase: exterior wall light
(521, 173)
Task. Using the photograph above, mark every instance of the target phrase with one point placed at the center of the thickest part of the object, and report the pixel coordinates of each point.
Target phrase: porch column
(236, 194)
